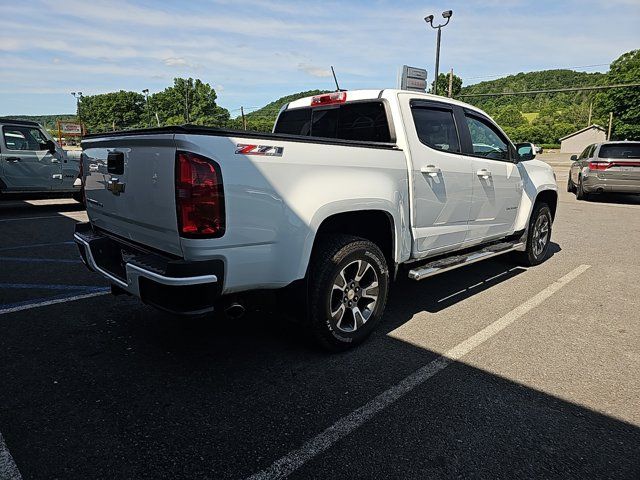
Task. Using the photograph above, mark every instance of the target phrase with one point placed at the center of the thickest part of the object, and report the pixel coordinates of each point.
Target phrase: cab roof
(355, 95)
(11, 121)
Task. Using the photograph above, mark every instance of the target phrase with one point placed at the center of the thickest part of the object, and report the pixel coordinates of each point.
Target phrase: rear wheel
(571, 188)
(580, 193)
(538, 236)
(348, 285)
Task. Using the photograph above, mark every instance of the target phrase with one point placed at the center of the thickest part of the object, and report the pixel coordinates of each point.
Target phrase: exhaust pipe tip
(235, 311)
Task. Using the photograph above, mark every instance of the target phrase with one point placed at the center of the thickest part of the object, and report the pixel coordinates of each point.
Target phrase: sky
(255, 51)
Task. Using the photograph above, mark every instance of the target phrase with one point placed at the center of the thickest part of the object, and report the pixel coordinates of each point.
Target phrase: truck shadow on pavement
(615, 198)
(110, 388)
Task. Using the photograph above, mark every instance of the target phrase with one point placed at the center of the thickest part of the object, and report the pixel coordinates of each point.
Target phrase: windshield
(620, 150)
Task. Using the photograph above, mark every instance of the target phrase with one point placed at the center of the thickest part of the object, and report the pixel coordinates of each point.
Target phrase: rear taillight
(599, 165)
(199, 196)
(329, 99)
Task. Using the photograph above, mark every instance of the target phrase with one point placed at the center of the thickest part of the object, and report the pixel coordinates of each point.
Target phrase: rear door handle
(13, 159)
(431, 170)
(483, 173)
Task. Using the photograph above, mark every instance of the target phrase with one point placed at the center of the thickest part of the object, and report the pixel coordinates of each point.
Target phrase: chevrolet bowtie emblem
(115, 187)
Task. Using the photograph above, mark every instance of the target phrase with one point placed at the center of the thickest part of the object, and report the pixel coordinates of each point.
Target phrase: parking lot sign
(413, 79)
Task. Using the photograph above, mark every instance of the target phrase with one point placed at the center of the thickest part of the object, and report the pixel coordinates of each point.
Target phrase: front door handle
(431, 170)
(55, 160)
(483, 173)
(13, 159)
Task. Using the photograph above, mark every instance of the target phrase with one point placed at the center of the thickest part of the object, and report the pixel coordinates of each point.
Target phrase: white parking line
(72, 215)
(51, 302)
(286, 465)
(8, 468)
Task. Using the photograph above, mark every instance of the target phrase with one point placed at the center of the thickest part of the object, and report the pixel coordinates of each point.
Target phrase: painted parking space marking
(35, 245)
(46, 286)
(39, 260)
(286, 465)
(54, 301)
(8, 468)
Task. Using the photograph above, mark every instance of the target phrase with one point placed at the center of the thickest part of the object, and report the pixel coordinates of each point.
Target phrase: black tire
(336, 254)
(580, 193)
(571, 188)
(532, 255)
(79, 197)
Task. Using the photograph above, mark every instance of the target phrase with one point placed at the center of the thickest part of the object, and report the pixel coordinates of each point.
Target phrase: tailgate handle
(115, 163)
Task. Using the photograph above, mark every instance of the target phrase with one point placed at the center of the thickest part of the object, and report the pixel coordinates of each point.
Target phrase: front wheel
(538, 236)
(348, 286)
(571, 188)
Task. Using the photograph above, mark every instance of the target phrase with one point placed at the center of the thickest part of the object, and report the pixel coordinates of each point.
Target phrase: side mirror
(51, 146)
(525, 151)
(574, 158)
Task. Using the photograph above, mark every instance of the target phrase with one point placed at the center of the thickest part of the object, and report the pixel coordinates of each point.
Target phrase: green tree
(443, 84)
(510, 116)
(122, 110)
(625, 102)
(171, 104)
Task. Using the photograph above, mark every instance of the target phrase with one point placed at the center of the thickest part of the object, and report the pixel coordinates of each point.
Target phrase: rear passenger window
(362, 121)
(366, 121)
(436, 128)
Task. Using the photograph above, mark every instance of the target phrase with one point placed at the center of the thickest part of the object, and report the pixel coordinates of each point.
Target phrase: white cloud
(176, 62)
(314, 71)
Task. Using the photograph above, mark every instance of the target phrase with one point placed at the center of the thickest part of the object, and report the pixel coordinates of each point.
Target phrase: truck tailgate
(130, 190)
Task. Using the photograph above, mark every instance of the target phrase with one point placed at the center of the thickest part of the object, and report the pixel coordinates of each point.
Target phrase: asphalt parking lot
(491, 371)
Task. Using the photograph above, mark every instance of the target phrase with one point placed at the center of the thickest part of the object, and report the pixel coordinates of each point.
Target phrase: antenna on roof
(338, 89)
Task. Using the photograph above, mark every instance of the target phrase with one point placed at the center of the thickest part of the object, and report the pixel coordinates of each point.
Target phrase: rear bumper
(174, 285)
(592, 183)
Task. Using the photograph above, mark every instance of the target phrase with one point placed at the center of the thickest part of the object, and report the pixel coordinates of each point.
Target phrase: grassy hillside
(543, 117)
(543, 80)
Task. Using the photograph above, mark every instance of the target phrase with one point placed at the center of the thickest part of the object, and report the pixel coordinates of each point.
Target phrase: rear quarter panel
(275, 204)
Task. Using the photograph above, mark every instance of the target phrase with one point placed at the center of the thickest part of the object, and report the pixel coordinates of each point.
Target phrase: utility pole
(146, 102)
(590, 112)
(429, 19)
(157, 119)
(244, 120)
(610, 125)
(186, 101)
(451, 83)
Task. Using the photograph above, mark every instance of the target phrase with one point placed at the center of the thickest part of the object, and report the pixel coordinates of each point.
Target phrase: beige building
(576, 142)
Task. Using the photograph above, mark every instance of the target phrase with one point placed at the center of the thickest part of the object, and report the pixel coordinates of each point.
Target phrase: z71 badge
(265, 150)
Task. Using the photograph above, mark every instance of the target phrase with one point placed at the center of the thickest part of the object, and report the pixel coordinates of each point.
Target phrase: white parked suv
(350, 190)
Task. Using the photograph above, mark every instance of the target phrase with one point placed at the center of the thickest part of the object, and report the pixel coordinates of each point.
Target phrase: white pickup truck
(350, 190)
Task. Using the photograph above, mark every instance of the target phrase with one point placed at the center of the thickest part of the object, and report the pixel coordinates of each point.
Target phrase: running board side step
(449, 263)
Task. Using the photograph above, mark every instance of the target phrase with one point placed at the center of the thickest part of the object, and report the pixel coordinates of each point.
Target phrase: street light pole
(429, 19)
(78, 97)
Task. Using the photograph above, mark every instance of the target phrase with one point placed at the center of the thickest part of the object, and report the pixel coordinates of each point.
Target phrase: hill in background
(47, 121)
(262, 120)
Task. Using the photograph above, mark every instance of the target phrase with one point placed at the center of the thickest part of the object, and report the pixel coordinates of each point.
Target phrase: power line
(555, 90)
(557, 68)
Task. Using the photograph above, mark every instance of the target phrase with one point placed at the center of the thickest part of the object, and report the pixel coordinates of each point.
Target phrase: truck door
(441, 176)
(27, 164)
(497, 184)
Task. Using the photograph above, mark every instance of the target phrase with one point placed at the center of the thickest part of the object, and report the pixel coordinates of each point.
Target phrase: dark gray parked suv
(31, 162)
(605, 167)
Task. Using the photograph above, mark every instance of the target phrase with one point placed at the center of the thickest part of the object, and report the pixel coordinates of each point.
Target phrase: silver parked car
(605, 167)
